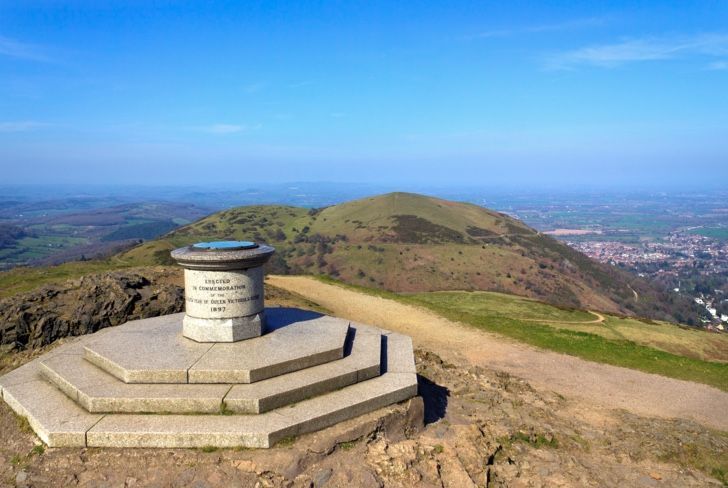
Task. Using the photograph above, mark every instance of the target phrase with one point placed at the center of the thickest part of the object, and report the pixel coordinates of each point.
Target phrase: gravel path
(599, 385)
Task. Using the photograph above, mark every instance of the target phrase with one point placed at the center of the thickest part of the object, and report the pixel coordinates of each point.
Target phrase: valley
(52, 232)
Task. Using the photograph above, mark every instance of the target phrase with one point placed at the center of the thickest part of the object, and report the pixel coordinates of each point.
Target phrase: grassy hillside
(19, 280)
(493, 307)
(412, 243)
(653, 347)
(665, 349)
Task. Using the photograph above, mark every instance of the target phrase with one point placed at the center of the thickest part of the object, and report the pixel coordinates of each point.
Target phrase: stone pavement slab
(29, 371)
(55, 418)
(146, 351)
(361, 364)
(264, 430)
(398, 363)
(100, 392)
(59, 421)
(287, 347)
(154, 350)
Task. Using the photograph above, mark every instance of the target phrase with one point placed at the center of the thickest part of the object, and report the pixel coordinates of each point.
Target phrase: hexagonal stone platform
(98, 391)
(154, 350)
(323, 395)
(264, 430)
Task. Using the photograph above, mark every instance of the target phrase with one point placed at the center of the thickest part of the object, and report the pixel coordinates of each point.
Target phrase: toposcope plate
(224, 245)
(223, 255)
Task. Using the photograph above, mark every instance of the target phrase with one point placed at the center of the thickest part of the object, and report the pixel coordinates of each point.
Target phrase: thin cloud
(227, 128)
(301, 84)
(20, 50)
(718, 66)
(535, 29)
(21, 126)
(256, 87)
(640, 50)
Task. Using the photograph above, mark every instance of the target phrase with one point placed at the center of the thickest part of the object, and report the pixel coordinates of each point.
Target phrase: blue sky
(505, 93)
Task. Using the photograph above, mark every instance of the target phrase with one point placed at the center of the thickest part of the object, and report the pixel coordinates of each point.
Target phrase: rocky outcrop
(483, 428)
(85, 305)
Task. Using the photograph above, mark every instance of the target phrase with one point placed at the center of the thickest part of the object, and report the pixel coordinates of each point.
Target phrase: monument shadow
(279, 317)
(434, 396)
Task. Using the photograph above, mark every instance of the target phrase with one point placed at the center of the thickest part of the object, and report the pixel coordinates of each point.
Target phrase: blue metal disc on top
(224, 245)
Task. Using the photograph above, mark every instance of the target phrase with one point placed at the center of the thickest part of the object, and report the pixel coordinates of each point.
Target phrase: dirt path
(598, 320)
(600, 385)
(636, 295)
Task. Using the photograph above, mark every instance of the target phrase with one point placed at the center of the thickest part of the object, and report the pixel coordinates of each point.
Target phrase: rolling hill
(411, 243)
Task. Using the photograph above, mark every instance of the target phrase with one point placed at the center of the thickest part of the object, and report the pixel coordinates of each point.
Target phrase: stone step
(362, 364)
(261, 431)
(154, 350)
(55, 418)
(59, 421)
(99, 392)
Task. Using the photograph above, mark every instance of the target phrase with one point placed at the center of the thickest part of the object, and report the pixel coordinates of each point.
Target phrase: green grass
(37, 450)
(224, 410)
(682, 341)
(347, 445)
(502, 305)
(18, 280)
(593, 347)
(701, 457)
(408, 243)
(536, 440)
(720, 233)
(38, 247)
(286, 441)
(366, 215)
(589, 346)
(23, 424)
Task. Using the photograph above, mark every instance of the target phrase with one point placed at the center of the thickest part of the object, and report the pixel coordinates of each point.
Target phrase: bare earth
(598, 385)
(484, 427)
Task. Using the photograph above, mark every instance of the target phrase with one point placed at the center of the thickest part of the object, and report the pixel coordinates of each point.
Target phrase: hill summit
(406, 242)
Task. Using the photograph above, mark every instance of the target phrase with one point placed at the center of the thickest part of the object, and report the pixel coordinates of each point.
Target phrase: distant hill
(412, 243)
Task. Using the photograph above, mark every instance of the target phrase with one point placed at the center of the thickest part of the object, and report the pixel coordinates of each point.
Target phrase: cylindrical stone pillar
(224, 296)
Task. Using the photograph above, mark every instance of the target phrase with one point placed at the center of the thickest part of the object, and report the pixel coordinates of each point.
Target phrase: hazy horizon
(596, 95)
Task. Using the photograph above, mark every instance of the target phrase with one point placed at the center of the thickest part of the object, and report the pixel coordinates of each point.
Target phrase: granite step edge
(99, 392)
(251, 431)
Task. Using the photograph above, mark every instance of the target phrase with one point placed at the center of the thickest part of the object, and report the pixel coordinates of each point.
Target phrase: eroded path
(599, 318)
(598, 385)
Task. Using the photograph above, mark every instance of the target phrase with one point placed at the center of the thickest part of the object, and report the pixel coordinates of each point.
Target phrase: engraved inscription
(223, 294)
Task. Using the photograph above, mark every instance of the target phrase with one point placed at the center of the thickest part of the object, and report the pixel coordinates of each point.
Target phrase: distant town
(679, 241)
(686, 263)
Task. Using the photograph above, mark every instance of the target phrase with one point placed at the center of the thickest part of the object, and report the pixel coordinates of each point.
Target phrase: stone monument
(227, 373)
(223, 290)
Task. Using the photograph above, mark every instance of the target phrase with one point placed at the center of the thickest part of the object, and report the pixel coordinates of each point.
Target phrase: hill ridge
(406, 242)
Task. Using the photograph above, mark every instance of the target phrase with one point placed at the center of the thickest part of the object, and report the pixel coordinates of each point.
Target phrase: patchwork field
(55, 232)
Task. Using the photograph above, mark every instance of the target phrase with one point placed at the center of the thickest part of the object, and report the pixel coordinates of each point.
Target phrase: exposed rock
(484, 428)
(88, 304)
(494, 432)
(322, 477)
(21, 477)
